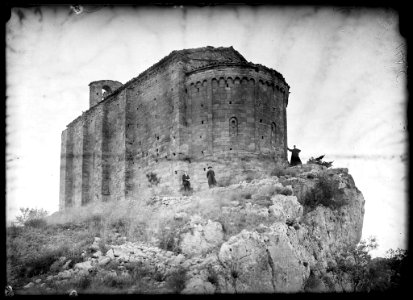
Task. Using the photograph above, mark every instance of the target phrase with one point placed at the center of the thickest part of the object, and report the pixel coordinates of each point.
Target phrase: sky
(345, 67)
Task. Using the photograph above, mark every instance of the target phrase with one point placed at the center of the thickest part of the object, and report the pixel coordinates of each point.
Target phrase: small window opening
(204, 169)
(154, 99)
(202, 122)
(262, 137)
(186, 92)
(157, 150)
(230, 148)
(202, 105)
(197, 89)
(202, 152)
(174, 153)
(260, 120)
(200, 136)
(176, 172)
(227, 85)
(157, 137)
(230, 102)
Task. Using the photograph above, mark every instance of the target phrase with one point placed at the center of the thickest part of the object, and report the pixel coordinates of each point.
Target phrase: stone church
(193, 109)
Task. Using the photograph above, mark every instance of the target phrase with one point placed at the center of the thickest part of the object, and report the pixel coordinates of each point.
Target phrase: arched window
(233, 127)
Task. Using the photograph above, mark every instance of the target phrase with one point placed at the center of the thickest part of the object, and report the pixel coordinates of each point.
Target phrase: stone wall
(185, 113)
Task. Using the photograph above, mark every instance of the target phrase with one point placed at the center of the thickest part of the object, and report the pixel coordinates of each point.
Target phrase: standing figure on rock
(185, 181)
(211, 177)
(295, 159)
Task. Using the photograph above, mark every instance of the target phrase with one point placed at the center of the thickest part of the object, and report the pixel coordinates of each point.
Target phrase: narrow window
(233, 127)
(273, 133)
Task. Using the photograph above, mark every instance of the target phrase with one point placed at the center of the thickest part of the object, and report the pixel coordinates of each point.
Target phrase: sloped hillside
(272, 234)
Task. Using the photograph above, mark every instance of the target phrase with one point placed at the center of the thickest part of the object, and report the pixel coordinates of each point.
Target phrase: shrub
(323, 194)
(95, 221)
(284, 191)
(263, 201)
(120, 225)
(40, 264)
(278, 171)
(247, 196)
(224, 182)
(167, 240)
(153, 178)
(13, 231)
(36, 223)
(312, 282)
(116, 281)
(32, 217)
(83, 282)
(137, 270)
(249, 178)
(176, 280)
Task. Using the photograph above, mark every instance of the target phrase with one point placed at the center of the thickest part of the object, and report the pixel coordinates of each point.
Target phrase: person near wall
(186, 181)
(295, 159)
(211, 177)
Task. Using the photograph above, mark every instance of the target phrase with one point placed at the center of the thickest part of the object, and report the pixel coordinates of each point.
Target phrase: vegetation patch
(325, 192)
(176, 280)
(153, 178)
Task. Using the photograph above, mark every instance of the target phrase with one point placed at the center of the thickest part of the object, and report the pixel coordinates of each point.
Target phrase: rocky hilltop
(263, 235)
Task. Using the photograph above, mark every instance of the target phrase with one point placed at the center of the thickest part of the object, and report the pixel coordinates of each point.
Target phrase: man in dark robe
(185, 181)
(211, 177)
(295, 159)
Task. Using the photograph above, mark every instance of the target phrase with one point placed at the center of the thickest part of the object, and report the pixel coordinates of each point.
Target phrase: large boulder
(264, 262)
(202, 236)
(286, 208)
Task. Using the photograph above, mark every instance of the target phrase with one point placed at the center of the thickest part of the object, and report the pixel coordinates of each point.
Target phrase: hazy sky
(345, 69)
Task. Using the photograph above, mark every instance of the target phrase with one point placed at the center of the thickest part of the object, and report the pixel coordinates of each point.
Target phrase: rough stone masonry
(193, 109)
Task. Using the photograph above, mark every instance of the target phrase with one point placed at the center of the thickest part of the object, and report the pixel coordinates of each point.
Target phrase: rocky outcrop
(267, 239)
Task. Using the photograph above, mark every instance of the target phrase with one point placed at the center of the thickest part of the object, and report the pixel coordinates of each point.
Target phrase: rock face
(269, 237)
(281, 256)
